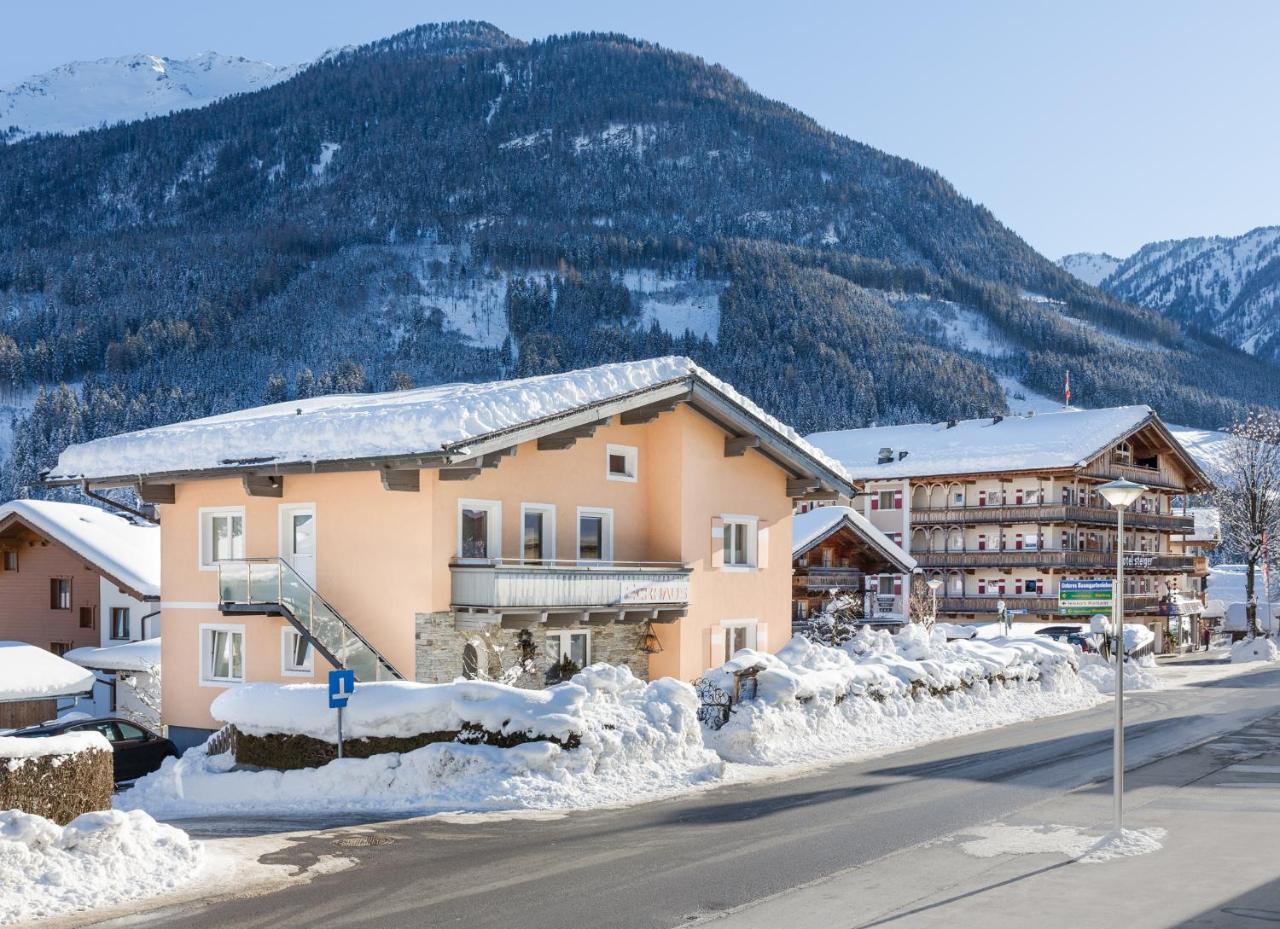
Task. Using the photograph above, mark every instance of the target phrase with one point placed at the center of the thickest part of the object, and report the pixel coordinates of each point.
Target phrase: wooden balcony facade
(1134, 604)
(1145, 562)
(1040, 513)
(815, 577)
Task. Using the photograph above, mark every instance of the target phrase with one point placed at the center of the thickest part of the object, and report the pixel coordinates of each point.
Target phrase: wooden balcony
(1039, 513)
(1150, 562)
(816, 577)
(583, 591)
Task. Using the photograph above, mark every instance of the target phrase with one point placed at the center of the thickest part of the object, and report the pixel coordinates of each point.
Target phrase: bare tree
(1248, 497)
(921, 602)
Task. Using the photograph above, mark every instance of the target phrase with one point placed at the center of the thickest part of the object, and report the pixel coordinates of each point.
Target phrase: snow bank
(403, 708)
(97, 859)
(1139, 673)
(879, 692)
(14, 751)
(638, 741)
(1260, 649)
(31, 673)
(1003, 839)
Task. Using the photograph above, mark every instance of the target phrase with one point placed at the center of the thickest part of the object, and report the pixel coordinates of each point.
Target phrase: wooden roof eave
(18, 519)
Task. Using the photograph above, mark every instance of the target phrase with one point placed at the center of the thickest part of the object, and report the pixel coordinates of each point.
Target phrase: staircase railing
(252, 583)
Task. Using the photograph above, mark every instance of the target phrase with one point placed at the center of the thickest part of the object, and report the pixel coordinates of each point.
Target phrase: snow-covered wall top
(143, 655)
(1015, 443)
(127, 552)
(400, 423)
(31, 673)
(88, 94)
(805, 527)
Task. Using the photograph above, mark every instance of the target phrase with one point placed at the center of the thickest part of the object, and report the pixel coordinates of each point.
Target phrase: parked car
(1074, 637)
(1054, 631)
(136, 750)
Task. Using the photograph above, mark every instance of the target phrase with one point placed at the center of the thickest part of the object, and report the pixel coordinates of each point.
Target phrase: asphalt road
(665, 863)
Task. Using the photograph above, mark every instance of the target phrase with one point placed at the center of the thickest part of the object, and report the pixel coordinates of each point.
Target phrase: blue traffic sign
(342, 684)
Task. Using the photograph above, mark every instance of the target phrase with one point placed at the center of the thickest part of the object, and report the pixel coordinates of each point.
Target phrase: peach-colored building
(635, 513)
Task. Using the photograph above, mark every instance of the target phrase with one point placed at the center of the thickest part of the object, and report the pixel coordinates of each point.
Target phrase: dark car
(136, 751)
(1054, 632)
(1074, 637)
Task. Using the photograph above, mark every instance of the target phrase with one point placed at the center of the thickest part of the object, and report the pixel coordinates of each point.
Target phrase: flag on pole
(1066, 386)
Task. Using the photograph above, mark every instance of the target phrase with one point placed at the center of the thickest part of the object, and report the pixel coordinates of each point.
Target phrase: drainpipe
(85, 489)
(143, 622)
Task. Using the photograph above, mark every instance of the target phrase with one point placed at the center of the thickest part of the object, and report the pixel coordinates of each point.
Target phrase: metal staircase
(271, 587)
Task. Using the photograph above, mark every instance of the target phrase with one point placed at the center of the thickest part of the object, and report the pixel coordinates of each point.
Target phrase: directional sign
(1084, 597)
(342, 684)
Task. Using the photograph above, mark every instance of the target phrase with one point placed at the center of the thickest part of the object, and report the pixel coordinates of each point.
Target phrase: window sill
(221, 685)
(738, 568)
(626, 479)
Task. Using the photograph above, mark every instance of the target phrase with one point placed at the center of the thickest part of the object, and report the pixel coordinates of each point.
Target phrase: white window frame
(606, 541)
(494, 541)
(203, 521)
(753, 538)
(287, 633)
(753, 632)
(565, 636)
(548, 511)
(632, 456)
(204, 654)
(284, 541)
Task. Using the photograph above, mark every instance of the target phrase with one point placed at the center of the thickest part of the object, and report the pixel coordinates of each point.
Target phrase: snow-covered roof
(1064, 439)
(808, 528)
(142, 655)
(448, 420)
(31, 673)
(128, 554)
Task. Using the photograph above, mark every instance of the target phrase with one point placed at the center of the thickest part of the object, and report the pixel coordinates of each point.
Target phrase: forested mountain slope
(451, 203)
(1229, 286)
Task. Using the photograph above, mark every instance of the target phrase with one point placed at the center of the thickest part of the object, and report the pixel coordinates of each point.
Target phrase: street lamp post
(1120, 494)
(934, 584)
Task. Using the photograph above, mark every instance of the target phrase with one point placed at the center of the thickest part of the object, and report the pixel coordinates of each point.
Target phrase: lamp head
(934, 584)
(1122, 493)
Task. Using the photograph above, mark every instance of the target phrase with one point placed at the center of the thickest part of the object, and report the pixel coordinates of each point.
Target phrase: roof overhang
(892, 554)
(691, 389)
(17, 519)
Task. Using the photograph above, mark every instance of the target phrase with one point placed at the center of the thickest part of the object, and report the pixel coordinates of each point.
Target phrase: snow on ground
(1259, 649)
(960, 327)
(327, 151)
(638, 741)
(676, 304)
(1003, 839)
(1022, 399)
(879, 693)
(96, 860)
(1090, 267)
(1139, 674)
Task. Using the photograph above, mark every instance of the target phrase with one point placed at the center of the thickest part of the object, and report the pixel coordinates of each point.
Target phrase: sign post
(342, 684)
(1085, 598)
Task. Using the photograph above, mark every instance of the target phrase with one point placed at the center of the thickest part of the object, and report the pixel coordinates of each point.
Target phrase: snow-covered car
(135, 751)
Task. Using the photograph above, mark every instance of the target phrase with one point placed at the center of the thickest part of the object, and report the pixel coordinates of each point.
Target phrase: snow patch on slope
(956, 326)
(1090, 267)
(676, 304)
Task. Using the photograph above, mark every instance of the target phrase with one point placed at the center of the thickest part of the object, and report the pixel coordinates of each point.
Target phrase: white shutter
(762, 544)
(717, 542)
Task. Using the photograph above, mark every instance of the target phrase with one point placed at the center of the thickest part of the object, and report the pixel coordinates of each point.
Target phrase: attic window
(1148, 462)
(10, 560)
(1124, 454)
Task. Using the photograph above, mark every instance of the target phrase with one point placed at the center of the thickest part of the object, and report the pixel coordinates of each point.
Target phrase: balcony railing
(816, 577)
(1057, 558)
(512, 585)
(1047, 513)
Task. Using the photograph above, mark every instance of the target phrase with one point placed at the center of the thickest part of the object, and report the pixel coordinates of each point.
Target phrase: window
(119, 622)
(738, 634)
(621, 462)
(957, 498)
(479, 529)
(221, 654)
(538, 538)
(59, 593)
(576, 646)
(1032, 586)
(595, 534)
(87, 618)
(221, 536)
(59, 648)
(886, 500)
(10, 560)
(106, 729)
(739, 541)
(296, 656)
(130, 732)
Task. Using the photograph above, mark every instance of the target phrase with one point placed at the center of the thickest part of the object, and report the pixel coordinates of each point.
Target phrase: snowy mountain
(88, 94)
(1227, 286)
(1090, 267)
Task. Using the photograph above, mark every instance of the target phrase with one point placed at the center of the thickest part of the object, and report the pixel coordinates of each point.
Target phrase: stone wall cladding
(439, 647)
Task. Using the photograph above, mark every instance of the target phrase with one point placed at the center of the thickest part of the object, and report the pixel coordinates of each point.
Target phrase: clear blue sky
(1083, 126)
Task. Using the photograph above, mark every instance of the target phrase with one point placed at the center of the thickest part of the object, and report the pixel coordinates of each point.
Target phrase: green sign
(1084, 598)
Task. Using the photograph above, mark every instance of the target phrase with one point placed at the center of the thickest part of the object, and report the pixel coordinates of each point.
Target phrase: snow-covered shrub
(635, 740)
(95, 860)
(56, 777)
(1260, 648)
(880, 691)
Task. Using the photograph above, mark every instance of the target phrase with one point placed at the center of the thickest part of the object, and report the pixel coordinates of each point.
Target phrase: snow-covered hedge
(95, 860)
(879, 692)
(1254, 649)
(58, 777)
(635, 740)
